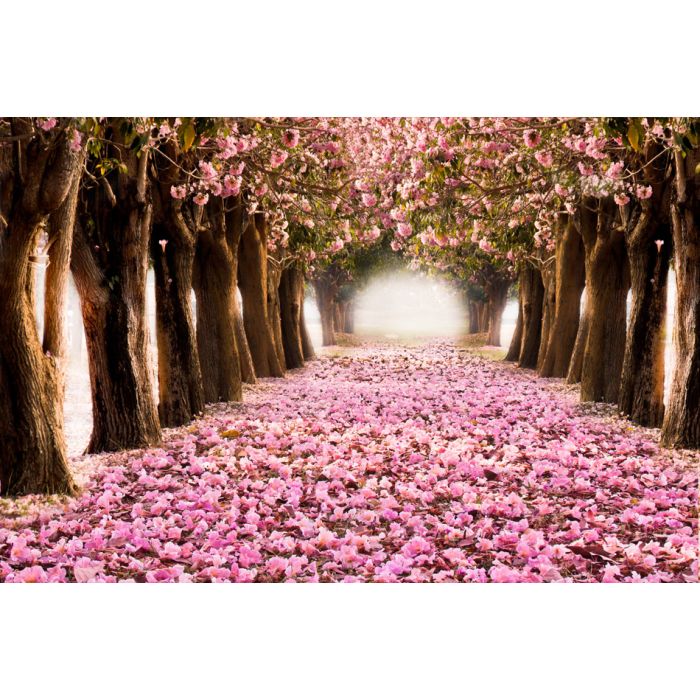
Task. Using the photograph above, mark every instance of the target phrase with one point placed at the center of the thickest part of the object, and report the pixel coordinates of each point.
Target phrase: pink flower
(33, 574)
(544, 158)
(532, 138)
(76, 141)
(178, 192)
(47, 124)
(290, 138)
(201, 198)
(277, 158)
(643, 191)
(658, 245)
(404, 230)
(337, 245)
(162, 243)
(369, 199)
(621, 199)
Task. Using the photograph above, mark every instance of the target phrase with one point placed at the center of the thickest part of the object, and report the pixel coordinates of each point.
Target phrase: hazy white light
(409, 305)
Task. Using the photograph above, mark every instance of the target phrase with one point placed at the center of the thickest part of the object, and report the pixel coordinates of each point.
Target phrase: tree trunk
(607, 299)
(339, 318)
(681, 427)
(549, 302)
(306, 344)
(515, 342)
(570, 280)
(109, 264)
(497, 299)
(252, 280)
(274, 313)
(245, 359)
(643, 371)
(474, 316)
(179, 373)
(349, 317)
(483, 317)
(573, 375)
(60, 230)
(533, 299)
(214, 281)
(290, 294)
(325, 298)
(37, 178)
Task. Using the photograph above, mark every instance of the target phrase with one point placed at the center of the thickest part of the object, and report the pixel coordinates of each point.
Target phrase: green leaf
(634, 134)
(188, 136)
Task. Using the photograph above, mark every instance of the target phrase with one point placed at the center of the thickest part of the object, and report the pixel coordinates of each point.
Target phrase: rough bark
(179, 374)
(681, 427)
(109, 265)
(326, 291)
(642, 381)
(291, 292)
(214, 281)
(549, 302)
(36, 176)
(274, 312)
(60, 228)
(533, 298)
(497, 299)
(570, 273)
(349, 326)
(573, 375)
(514, 349)
(252, 281)
(245, 359)
(608, 284)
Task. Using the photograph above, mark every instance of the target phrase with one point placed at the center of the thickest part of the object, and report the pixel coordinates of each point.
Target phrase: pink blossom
(47, 124)
(532, 138)
(290, 138)
(277, 158)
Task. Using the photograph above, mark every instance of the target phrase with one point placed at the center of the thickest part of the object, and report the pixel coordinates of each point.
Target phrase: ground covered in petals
(388, 463)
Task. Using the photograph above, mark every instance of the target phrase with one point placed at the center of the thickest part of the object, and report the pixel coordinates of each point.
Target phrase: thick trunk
(274, 312)
(60, 229)
(109, 265)
(179, 373)
(36, 179)
(32, 448)
(533, 299)
(608, 284)
(681, 426)
(306, 344)
(642, 381)
(349, 319)
(245, 359)
(498, 296)
(514, 349)
(570, 280)
(474, 317)
(325, 298)
(214, 281)
(573, 375)
(483, 317)
(114, 318)
(252, 280)
(339, 317)
(291, 292)
(549, 302)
